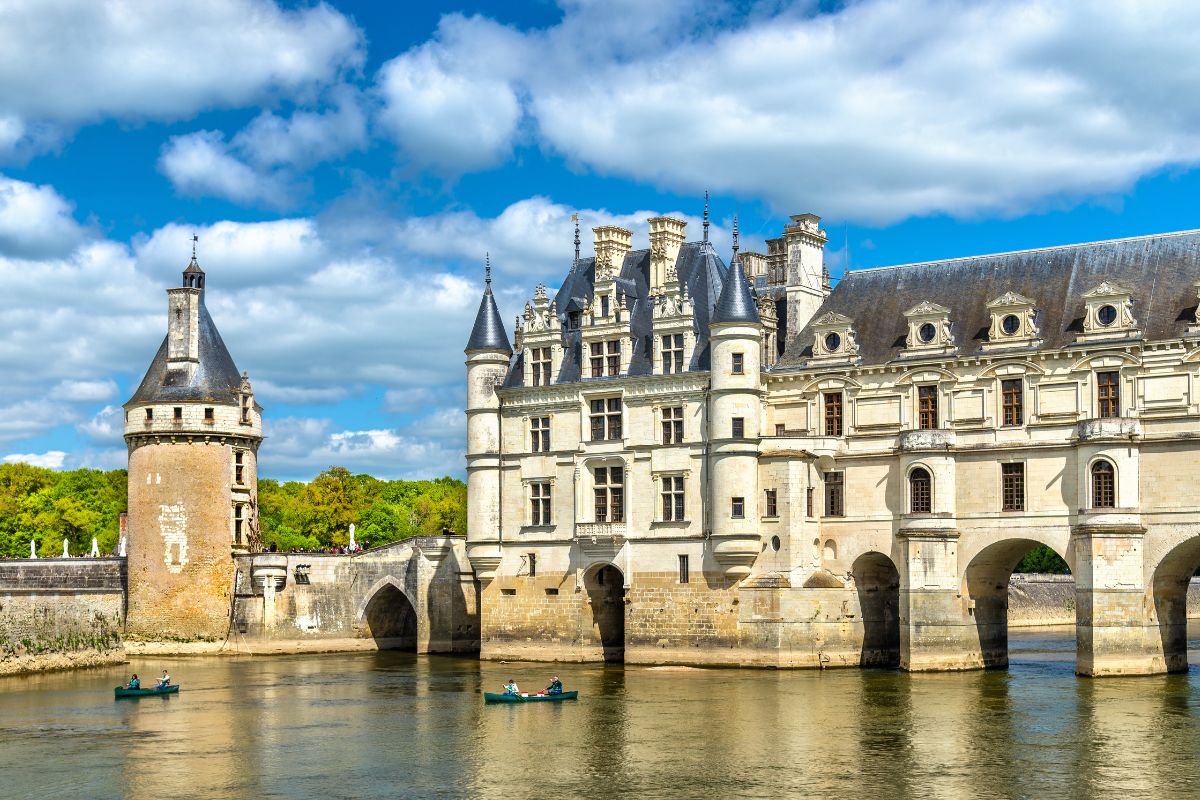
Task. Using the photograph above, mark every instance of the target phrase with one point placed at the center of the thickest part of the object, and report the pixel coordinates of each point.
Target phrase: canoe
(489, 697)
(121, 691)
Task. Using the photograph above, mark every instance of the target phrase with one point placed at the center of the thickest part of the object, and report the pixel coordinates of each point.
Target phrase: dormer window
(833, 339)
(929, 330)
(1013, 322)
(1108, 313)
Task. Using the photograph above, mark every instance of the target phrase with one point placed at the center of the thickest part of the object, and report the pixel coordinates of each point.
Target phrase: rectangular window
(739, 428)
(533, 565)
(606, 419)
(672, 498)
(780, 429)
(614, 357)
(833, 413)
(835, 497)
(739, 365)
(541, 366)
(609, 494)
(1012, 478)
(178, 413)
(927, 407)
(1108, 393)
(237, 523)
(539, 504)
(149, 414)
(1012, 393)
(245, 410)
(604, 306)
(738, 508)
(809, 504)
(672, 353)
(597, 359)
(238, 467)
(772, 503)
(208, 415)
(672, 425)
(683, 569)
(539, 433)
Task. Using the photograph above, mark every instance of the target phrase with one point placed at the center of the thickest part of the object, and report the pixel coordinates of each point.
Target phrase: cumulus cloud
(200, 164)
(238, 253)
(84, 391)
(106, 426)
(35, 221)
(877, 111)
(67, 62)
(306, 137)
(51, 458)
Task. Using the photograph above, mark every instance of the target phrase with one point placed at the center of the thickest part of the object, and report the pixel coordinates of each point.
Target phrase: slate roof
(699, 268)
(1160, 270)
(215, 380)
(488, 332)
(735, 303)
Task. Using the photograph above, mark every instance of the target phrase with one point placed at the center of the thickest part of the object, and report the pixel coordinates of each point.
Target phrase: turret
(192, 429)
(488, 354)
(735, 332)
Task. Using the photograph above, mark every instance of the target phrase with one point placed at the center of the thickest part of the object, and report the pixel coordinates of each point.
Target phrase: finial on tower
(706, 215)
(575, 217)
(487, 270)
(195, 239)
(193, 276)
(735, 237)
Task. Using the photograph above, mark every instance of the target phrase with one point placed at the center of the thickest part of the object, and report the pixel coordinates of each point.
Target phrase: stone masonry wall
(61, 613)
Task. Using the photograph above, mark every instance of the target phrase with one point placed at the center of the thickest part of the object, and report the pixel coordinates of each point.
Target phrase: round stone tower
(735, 333)
(488, 353)
(193, 430)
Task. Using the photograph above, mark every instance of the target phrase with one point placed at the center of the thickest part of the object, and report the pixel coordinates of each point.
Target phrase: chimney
(755, 264)
(807, 280)
(666, 237)
(183, 329)
(612, 243)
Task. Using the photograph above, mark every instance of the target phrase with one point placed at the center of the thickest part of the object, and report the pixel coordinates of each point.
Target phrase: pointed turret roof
(215, 380)
(735, 303)
(488, 332)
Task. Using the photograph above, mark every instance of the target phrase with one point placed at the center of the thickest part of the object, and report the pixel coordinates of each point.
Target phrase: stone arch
(604, 607)
(829, 553)
(877, 582)
(1168, 591)
(985, 583)
(389, 615)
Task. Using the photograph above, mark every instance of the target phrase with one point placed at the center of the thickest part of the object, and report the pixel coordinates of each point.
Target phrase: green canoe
(121, 691)
(489, 697)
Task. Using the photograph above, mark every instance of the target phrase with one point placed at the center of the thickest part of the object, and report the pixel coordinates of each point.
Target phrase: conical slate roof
(215, 379)
(735, 303)
(488, 332)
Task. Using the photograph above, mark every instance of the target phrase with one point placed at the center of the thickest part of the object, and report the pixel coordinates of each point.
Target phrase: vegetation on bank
(51, 506)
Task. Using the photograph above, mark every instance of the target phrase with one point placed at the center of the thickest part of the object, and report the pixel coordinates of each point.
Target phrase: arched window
(920, 491)
(1104, 485)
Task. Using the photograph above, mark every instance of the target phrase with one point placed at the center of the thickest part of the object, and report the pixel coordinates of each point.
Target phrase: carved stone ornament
(929, 330)
(1013, 322)
(834, 339)
(1108, 312)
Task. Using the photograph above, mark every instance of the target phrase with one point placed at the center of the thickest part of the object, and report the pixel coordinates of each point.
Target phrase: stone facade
(60, 613)
(858, 493)
(193, 430)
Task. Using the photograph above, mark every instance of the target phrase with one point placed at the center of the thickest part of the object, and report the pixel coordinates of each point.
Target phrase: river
(398, 725)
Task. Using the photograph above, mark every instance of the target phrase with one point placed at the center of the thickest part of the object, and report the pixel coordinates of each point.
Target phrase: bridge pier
(934, 636)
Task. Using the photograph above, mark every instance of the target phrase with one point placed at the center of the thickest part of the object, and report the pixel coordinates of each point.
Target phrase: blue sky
(346, 166)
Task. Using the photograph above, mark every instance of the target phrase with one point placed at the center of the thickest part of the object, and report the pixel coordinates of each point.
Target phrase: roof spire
(195, 239)
(735, 238)
(706, 215)
(576, 218)
(488, 331)
(487, 272)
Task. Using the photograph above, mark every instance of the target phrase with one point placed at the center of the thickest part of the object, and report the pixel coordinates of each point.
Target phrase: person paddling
(555, 686)
(511, 687)
(134, 683)
(164, 681)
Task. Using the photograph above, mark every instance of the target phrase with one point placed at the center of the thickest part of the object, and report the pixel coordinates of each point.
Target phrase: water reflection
(392, 724)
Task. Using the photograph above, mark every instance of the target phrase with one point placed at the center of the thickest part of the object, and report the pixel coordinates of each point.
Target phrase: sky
(346, 166)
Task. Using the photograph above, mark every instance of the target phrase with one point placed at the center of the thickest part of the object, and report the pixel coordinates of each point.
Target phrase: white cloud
(84, 391)
(200, 164)
(268, 391)
(448, 104)
(306, 137)
(35, 221)
(51, 458)
(877, 111)
(30, 417)
(236, 253)
(106, 426)
(72, 61)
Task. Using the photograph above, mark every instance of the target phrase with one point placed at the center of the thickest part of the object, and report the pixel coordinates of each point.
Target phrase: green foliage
(48, 506)
(308, 516)
(1043, 559)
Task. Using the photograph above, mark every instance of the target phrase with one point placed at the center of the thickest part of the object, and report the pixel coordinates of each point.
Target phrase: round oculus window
(832, 342)
(927, 332)
(1011, 324)
(1107, 315)
(775, 543)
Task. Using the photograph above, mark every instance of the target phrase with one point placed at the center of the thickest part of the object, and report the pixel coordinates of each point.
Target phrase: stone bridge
(418, 594)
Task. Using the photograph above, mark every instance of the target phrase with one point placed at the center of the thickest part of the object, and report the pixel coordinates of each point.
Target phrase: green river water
(398, 725)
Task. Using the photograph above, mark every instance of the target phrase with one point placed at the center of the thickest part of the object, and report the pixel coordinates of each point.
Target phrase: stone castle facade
(679, 460)
(192, 429)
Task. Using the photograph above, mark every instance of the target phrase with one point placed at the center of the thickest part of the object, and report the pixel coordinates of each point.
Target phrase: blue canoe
(121, 691)
(503, 697)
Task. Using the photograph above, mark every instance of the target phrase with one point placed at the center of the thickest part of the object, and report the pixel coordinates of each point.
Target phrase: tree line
(50, 507)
